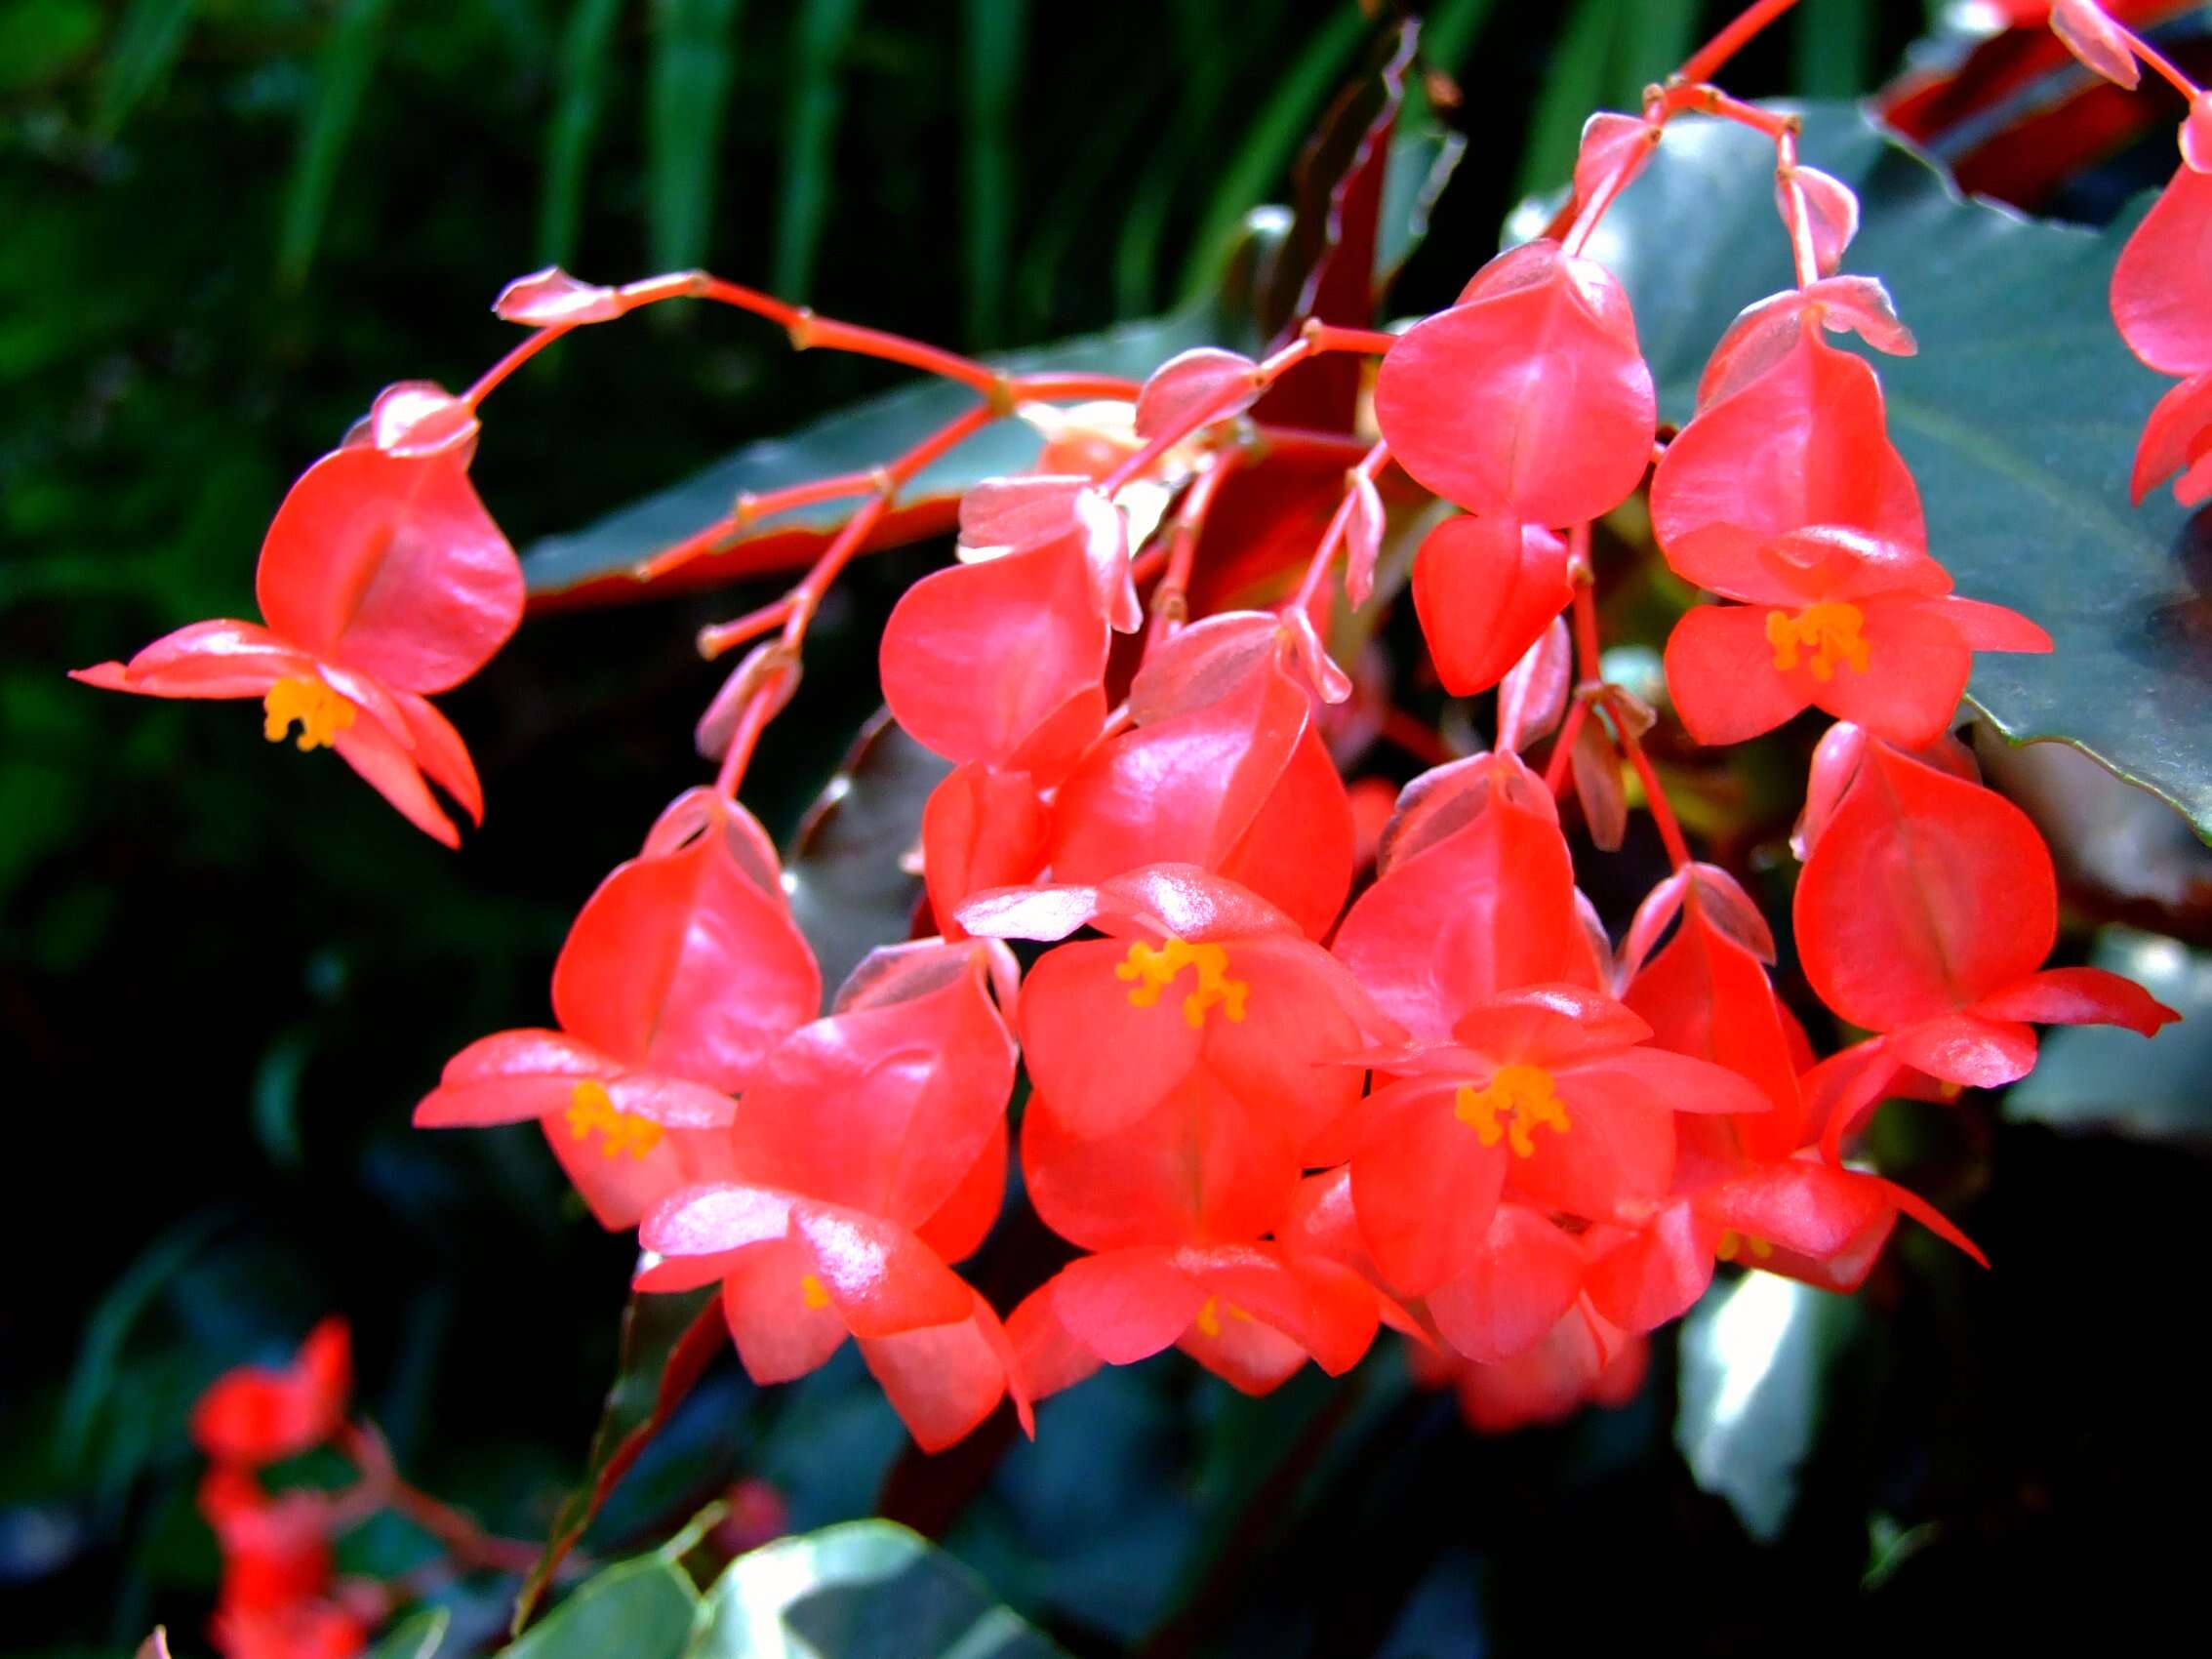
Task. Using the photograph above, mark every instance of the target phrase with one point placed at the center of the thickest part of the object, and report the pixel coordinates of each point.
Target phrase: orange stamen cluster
(1511, 1106)
(591, 1110)
(1733, 1244)
(1831, 630)
(1152, 970)
(322, 714)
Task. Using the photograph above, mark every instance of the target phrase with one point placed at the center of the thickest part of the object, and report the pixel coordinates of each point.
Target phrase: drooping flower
(678, 977)
(382, 580)
(867, 1154)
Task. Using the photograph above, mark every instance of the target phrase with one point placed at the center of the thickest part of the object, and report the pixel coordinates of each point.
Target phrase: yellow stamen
(1832, 628)
(1153, 969)
(1733, 1244)
(1209, 1320)
(1525, 1092)
(591, 1109)
(813, 1292)
(322, 713)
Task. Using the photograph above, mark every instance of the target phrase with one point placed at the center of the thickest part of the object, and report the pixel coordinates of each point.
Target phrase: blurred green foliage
(226, 974)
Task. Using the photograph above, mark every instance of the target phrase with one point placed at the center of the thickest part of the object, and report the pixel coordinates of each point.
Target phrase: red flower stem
(752, 720)
(1563, 746)
(1071, 388)
(1325, 555)
(1802, 254)
(811, 331)
(2157, 61)
(1594, 691)
(1708, 59)
(718, 638)
(467, 1543)
(1169, 604)
(1577, 221)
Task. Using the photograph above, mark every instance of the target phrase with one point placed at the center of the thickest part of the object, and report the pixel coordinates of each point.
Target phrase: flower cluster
(1294, 1075)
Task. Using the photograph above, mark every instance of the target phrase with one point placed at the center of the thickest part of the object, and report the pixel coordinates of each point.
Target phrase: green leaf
(991, 76)
(586, 46)
(342, 78)
(865, 1590)
(2019, 419)
(641, 1609)
(1276, 132)
(414, 1638)
(1832, 48)
(1448, 31)
(687, 87)
(43, 40)
(146, 48)
(810, 139)
(667, 1341)
(1755, 1357)
(1574, 80)
(848, 892)
(866, 434)
(2101, 1079)
(117, 1313)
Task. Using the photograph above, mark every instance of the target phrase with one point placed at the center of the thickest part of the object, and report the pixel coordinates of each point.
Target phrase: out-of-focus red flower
(258, 1414)
(1581, 1361)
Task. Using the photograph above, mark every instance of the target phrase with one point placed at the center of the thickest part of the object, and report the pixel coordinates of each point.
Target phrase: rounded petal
(1423, 1185)
(1486, 589)
(881, 1278)
(1721, 676)
(945, 1379)
(781, 1330)
(1917, 668)
(1519, 1286)
(2158, 285)
(1126, 1305)
(390, 565)
(1077, 1011)
(1658, 1273)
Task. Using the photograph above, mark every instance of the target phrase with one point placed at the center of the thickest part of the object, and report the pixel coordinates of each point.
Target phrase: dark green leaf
(1755, 1355)
(2026, 490)
(586, 47)
(100, 1354)
(667, 1343)
(810, 139)
(1832, 48)
(1655, 37)
(865, 1590)
(43, 40)
(2100, 1078)
(641, 1609)
(848, 891)
(990, 75)
(145, 50)
(414, 1638)
(866, 435)
(1243, 181)
(342, 78)
(687, 88)
(1448, 31)
(1575, 82)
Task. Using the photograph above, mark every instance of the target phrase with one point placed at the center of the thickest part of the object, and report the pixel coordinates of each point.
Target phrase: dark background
(226, 973)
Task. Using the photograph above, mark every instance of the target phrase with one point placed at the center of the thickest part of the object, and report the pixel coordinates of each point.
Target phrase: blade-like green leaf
(1755, 1354)
(146, 48)
(810, 139)
(1832, 48)
(865, 1590)
(1655, 36)
(343, 71)
(586, 46)
(667, 1341)
(991, 76)
(1276, 132)
(687, 89)
(2019, 419)
(2101, 1080)
(414, 1638)
(1448, 31)
(1576, 76)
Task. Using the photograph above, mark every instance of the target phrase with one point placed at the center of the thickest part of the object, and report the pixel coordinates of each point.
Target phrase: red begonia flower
(1582, 1361)
(1000, 662)
(1224, 767)
(1926, 908)
(1476, 896)
(856, 1154)
(1865, 629)
(1551, 1092)
(381, 579)
(300, 1630)
(1768, 330)
(2161, 284)
(1021, 515)
(254, 1414)
(983, 827)
(679, 976)
(1486, 590)
(1196, 975)
(1250, 1313)
(1528, 400)
(273, 1599)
